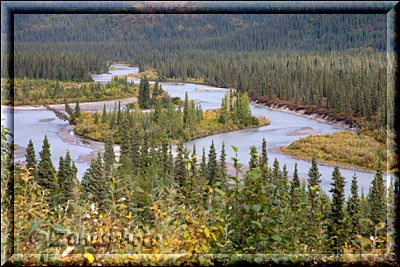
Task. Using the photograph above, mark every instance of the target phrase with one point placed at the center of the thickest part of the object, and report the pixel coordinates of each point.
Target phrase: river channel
(284, 128)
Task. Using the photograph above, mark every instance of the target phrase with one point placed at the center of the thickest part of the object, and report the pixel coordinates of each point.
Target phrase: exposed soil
(303, 131)
(211, 89)
(47, 120)
(301, 112)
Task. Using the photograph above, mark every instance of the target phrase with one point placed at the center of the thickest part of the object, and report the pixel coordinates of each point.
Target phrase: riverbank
(85, 106)
(314, 116)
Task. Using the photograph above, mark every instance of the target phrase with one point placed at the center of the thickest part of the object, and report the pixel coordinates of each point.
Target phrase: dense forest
(154, 200)
(293, 58)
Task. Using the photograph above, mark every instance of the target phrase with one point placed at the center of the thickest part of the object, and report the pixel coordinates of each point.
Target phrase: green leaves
(34, 226)
(234, 148)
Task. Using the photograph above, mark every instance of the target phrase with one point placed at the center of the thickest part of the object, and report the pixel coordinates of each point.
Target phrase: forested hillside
(209, 31)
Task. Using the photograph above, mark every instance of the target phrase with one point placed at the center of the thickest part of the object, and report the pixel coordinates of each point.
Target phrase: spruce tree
(104, 115)
(284, 181)
(46, 170)
(264, 156)
(313, 173)
(186, 110)
(377, 197)
(68, 108)
(109, 155)
(212, 165)
(353, 207)
(65, 179)
(95, 183)
(164, 155)
(31, 159)
(203, 164)
(96, 118)
(336, 226)
(222, 165)
(295, 187)
(276, 172)
(135, 151)
(253, 163)
(313, 182)
(180, 170)
(194, 162)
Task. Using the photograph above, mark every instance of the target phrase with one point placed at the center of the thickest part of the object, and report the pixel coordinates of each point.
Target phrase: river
(29, 124)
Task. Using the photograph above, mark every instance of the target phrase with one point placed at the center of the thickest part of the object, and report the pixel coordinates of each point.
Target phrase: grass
(344, 148)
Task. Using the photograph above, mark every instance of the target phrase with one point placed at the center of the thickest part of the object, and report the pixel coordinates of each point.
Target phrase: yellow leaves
(89, 257)
(213, 236)
(207, 232)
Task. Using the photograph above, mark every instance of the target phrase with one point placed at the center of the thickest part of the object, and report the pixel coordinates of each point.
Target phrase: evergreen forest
(149, 199)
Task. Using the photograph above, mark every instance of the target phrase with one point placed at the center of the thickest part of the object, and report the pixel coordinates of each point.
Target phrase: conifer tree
(253, 163)
(109, 155)
(96, 118)
(222, 164)
(194, 162)
(68, 108)
(180, 170)
(186, 110)
(224, 113)
(170, 163)
(104, 115)
(264, 156)
(77, 111)
(65, 179)
(31, 159)
(336, 226)
(284, 180)
(203, 164)
(313, 173)
(135, 151)
(46, 170)
(95, 183)
(377, 197)
(156, 90)
(353, 207)
(212, 165)
(313, 182)
(144, 152)
(295, 187)
(275, 172)
(164, 155)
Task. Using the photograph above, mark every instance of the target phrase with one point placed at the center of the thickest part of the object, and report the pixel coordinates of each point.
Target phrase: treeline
(179, 204)
(58, 65)
(39, 91)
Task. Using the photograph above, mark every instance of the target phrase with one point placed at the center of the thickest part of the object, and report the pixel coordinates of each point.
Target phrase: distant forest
(274, 57)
